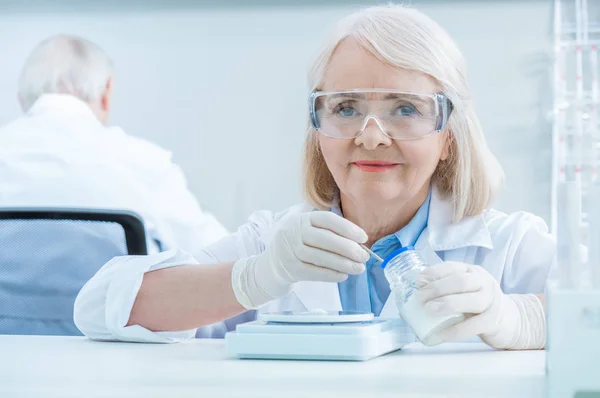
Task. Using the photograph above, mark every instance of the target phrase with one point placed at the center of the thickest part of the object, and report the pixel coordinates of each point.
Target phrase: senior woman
(394, 156)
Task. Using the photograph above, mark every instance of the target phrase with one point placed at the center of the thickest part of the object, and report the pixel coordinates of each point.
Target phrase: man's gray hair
(65, 64)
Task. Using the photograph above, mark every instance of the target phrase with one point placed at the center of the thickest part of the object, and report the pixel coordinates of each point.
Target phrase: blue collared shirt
(369, 291)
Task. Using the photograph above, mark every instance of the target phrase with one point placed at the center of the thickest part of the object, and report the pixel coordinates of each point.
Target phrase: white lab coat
(516, 249)
(59, 155)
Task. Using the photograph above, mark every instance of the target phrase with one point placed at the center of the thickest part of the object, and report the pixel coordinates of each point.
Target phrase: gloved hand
(313, 246)
(510, 321)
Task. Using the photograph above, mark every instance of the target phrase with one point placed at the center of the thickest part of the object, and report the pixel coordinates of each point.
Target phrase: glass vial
(401, 269)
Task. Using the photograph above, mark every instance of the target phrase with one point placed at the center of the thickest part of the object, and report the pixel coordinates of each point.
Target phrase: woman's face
(373, 167)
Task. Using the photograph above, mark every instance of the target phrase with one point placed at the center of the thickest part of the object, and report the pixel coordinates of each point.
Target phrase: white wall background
(222, 85)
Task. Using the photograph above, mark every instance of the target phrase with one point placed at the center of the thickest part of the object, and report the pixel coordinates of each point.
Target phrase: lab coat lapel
(423, 247)
(444, 234)
(319, 295)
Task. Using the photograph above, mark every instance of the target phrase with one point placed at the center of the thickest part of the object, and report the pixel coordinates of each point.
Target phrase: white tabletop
(37, 366)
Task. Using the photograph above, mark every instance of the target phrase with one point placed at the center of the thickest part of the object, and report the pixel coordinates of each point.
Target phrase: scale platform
(318, 336)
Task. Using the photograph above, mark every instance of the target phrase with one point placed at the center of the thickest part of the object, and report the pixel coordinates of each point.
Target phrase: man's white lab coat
(59, 155)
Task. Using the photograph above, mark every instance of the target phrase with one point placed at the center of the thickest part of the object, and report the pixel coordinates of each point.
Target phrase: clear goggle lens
(400, 115)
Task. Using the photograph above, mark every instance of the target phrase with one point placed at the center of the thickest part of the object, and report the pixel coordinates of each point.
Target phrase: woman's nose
(372, 134)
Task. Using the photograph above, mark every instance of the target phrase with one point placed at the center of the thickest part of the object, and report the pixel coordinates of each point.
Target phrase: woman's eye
(346, 111)
(405, 110)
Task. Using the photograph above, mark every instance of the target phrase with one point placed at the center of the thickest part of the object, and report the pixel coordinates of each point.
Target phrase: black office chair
(47, 255)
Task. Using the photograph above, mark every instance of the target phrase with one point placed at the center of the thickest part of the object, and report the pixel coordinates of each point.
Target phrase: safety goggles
(400, 115)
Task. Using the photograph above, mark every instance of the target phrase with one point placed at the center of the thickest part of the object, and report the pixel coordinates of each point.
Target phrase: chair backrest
(47, 255)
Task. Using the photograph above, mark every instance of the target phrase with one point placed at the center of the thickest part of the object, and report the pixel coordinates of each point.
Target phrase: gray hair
(65, 64)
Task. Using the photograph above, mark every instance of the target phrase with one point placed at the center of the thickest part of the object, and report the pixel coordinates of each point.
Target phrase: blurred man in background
(61, 153)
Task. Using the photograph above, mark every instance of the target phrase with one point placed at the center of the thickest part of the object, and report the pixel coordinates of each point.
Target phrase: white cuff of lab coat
(124, 276)
(122, 292)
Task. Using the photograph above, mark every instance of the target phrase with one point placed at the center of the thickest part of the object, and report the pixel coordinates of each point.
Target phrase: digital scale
(318, 335)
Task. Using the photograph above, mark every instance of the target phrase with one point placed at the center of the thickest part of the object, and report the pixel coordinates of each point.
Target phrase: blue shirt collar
(410, 233)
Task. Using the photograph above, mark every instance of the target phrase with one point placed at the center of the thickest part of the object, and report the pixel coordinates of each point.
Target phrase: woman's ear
(447, 143)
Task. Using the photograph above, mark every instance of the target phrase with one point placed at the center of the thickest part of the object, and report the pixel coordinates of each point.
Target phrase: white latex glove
(314, 246)
(514, 321)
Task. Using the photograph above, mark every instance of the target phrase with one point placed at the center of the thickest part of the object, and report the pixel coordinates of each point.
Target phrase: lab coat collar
(61, 103)
(443, 234)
